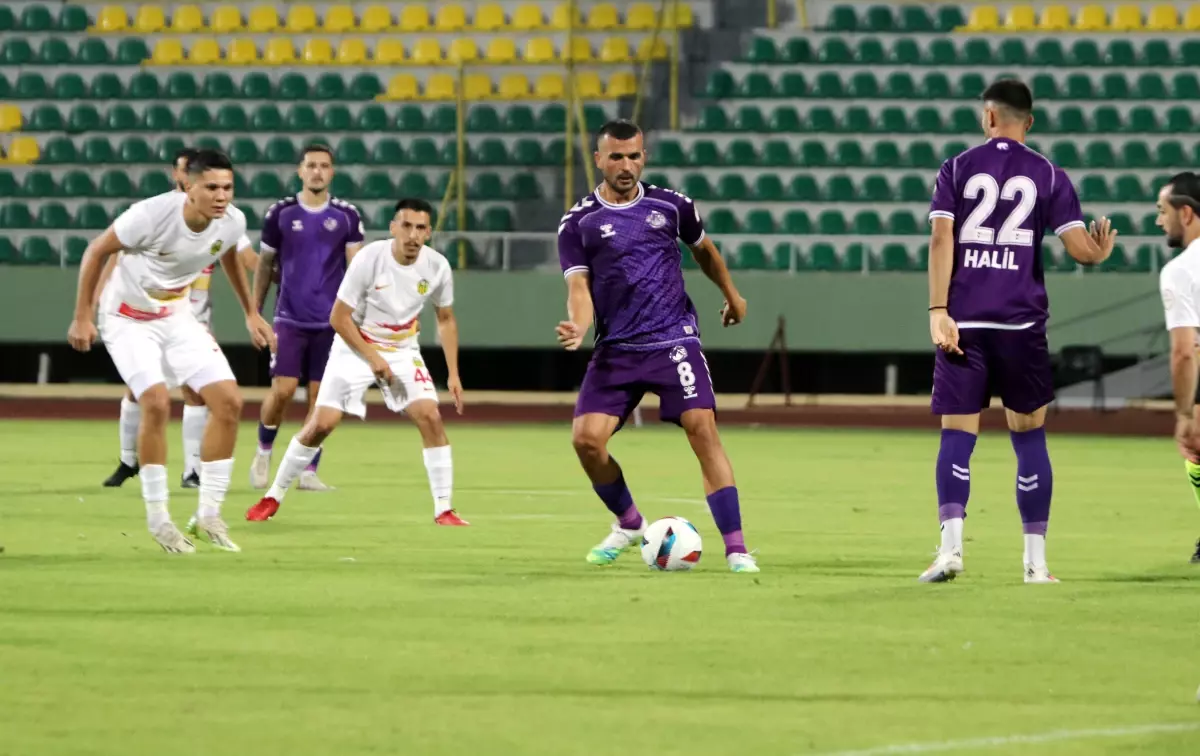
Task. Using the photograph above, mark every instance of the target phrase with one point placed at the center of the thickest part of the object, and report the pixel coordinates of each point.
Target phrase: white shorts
(348, 376)
(176, 350)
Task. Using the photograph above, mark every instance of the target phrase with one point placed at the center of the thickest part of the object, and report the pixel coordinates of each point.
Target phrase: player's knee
(226, 406)
(284, 390)
(155, 404)
(701, 429)
(588, 443)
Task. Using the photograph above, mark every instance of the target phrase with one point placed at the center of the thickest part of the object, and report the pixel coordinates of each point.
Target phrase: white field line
(1009, 740)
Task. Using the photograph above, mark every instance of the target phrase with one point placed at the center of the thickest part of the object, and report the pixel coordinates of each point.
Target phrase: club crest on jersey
(215, 248)
(606, 231)
(678, 354)
(330, 224)
(422, 287)
(656, 219)
(418, 363)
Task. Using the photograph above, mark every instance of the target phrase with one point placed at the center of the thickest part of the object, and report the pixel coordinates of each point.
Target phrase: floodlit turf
(352, 625)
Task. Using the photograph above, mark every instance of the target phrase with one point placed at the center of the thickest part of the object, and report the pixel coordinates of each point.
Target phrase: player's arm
(105, 275)
(352, 250)
(447, 326)
(82, 331)
(708, 257)
(248, 257)
(579, 311)
(341, 318)
(1090, 246)
(1182, 320)
(942, 328)
(262, 276)
(235, 270)
(1183, 369)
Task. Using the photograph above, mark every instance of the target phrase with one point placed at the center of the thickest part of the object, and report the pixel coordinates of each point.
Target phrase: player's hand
(733, 311)
(944, 331)
(454, 385)
(569, 335)
(381, 369)
(82, 334)
(260, 332)
(1103, 234)
(1186, 437)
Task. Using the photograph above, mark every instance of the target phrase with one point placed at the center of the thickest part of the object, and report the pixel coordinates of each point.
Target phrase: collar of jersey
(641, 193)
(323, 207)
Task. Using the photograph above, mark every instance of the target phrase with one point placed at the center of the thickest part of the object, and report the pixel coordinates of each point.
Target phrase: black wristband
(937, 307)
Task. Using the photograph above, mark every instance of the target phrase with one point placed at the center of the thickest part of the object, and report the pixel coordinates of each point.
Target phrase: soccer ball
(670, 544)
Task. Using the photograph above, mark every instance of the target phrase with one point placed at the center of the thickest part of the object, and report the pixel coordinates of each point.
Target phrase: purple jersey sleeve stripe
(575, 269)
(1068, 226)
(941, 214)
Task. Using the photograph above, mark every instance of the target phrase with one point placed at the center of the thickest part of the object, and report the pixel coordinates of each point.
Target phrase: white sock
(214, 483)
(441, 477)
(154, 491)
(131, 420)
(297, 458)
(194, 420)
(1035, 550)
(952, 535)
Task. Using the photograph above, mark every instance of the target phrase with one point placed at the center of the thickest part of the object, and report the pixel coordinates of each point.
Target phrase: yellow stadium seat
(501, 50)
(581, 50)
(167, 52)
(263, 18)
(1162, 18)
(441, 86)
(560, 17)
(653, 49)
(279, 52)
(10, 118)
(389, 52)
(1055, 18)
(317, 52)
(427, 52)
(1091, 18)
(983, 18)
(204, 52)
(226, 19)
(549, 87)
(614, 50)
(187, 19)
(451, 18)
(414, 18)
(1021, 18)
(301, 19)
(623, 84)
(640, 17)
(112, 18)
(150, 19)
(1191, 20)
(352, 52)
(339, 19)
(403, 87)
(603, 17)
(489, 17)
(376, 18)
(1126, 18)
(477, 87)
(539, 50)
(527, 18)
(513, 87)
(241, 52)
(23, 151)
(462, 50)
(587, 85)
(682, 17)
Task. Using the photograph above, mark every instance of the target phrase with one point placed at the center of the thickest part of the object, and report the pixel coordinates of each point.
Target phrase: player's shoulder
(280, 205)
(346, 207)
(236, 216)
(159, 204)
(580, 210)
(1184, 265)
(664, 194)
(372, 251)
(435, 259)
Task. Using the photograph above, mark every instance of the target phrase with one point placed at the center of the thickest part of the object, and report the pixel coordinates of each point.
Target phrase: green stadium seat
(797, 50)
(971, 86)
(484, 118)
(835, 51)
(450, 221)
(422, 151)
(731, 187)
(158, 118)
(194, 117)
(45, 118)
(879, 18)
(749, 256)
(35, 18)
(913, 188)
(1120, 53)
(921, 155)
(857, 120)
(92, 52)
(231, 117)
(950, 149)
(1179, 120)
(900, 86)
(342, 185)
(712, 118)
(365, 86)
(16, 215)
(70, 86)
(330, 86)
(84, 118)
(1106, 119)
(1114, 86)
(243, 151)
(302, 117)
(1128, 188)
(8, 20)
(36, 250)
(448, 154)
(1142, 119)
(1150, 225)
(105, 86)
(868, 223)
(529, 152)
(864, 86)
(8, 185)
(5, 87)
(829, 85)
(777, 153)
(132, 51)
(491, 152)
(1156, 53)
(54, 52)
(1086, 53)
(903, 223)
(98, 151)
(1117, 262)
(16, 52)
(1135, 155)
(113, 184)
(91, 215)
(906, 52)
(1170, 154)
(444, 120)
(292, 86)
(783, 256)
(372, 118)
(1093, 189)
(963, 121)
(875, 188)
(553, 118)
(839, 188)
(78, 184)
(30, 85)
(256, 86)
(822, 119)
(497, 219)
(942, 52)
(523, 186)
(785, 119)
(928, 121)
(832, 223)
(895, 258)
(280, 150)
(265, 185)
(1144, 260)
(977, 52)
(58, 151)
(1185, 86)
(413, 185)
(849, 154)
(885, 155)
(181, 85)
(1049, 53)
(666, 153)
(1012, 52)
(893, 120)
(1149, 86)
(914, 19)
(813, 155)
(822, 257)
(209, 143)
(793, 85)
(703, 153)
(722, 221)
(749, 118)
(73, 249)
(1080, 87)
(936, 86)
(760, 222)
(1065, 154)
(842, 18)
(797, 223)
(657, 179)
(803, 188)
(153, 183)
(1189, 53)
(762, 50)
(336, 117)
(349, 151)
(72, 18)
(696, 186)
(757, 85)
(143, 86)
(720, 85)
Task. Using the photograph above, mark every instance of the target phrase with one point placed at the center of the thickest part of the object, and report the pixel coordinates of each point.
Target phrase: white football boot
(946, 566)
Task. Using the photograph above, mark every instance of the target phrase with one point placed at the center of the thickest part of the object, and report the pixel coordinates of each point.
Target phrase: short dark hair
(620, 129)
(416, 205)
(209, 160)
(316, 147)
(1185, 190)
(1011, 93)
(186, 154)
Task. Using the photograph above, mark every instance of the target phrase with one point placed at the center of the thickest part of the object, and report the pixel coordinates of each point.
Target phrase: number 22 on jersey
(983, 187)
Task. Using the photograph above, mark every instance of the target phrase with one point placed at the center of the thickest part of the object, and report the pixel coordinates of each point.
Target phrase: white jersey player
(377, 318)
(195, 414)
(155, 340)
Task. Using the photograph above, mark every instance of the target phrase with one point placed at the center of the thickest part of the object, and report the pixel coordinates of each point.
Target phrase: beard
(1175, 241)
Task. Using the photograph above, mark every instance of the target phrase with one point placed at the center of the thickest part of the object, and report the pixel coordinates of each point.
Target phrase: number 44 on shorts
(420, 375)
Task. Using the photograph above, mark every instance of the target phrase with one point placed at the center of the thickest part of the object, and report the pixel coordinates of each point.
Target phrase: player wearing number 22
(376, 317)
(622, 265)
(988, 311)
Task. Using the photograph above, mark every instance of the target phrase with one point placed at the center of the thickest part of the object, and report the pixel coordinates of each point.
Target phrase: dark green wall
(825, 312)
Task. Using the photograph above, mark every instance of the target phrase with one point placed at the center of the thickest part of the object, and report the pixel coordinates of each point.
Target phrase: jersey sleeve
(691, 227)
(571, 254)
(133, 227)
(1063, 211)
(944, 195)
(244, 242)
(271, 237)
(443, 293)
(1179, 297)
(357, 280)
(355, 232)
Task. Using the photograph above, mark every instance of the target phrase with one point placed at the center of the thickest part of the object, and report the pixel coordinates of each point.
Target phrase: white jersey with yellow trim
(199, 295)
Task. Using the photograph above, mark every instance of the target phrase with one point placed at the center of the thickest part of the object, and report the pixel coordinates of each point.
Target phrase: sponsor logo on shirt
(297, 225)
(330, 224)
(606, 231)
(656, 219)
(422, 287)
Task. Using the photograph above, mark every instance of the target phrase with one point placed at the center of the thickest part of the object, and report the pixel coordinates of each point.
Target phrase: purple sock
(316, 460)
(619, 500)
(1035, 480)
(953, 474)
(266, 437)
(727, 514)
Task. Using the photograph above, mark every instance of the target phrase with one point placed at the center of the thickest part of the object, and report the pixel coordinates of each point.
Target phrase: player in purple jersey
(623, 269)
(988, 310)
(310, 238)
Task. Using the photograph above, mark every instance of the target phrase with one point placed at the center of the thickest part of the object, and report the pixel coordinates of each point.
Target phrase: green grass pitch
(352, 625)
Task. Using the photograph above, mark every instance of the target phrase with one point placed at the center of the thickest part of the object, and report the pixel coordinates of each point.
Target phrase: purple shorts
(300, 353)
(617, 379)
(1014, 364)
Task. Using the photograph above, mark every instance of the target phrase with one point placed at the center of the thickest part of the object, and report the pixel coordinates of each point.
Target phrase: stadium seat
(441, 87)
(204, 52)
(450, 18)
(92, 52)
(72, 18)
(1157, 53)
(527, 18)
(549, 87)
(489, 17)
(167, 52)
(1191, 20)
(885, 155)
(187, 19)
(389, 52)
(36, 250)
(54, 52)
(330, 86)
(338, 19)
(351, 52)
(1141, 119)
(1091, 18)
(58, 151)
(292, 86)
(279, 52)
(1055, 18)
(181, 85)
(842, 18)
(317, 52)
(16, 52)
(263, 19)
(1126, 18)
(301, 19)
(1162, 18)
(35, 18)
(25, 151)
(73, 249)
(1020, 18)
(112, 18)
(225, 19)
(983, 18)
(906, 52)
(462, 50)
(539, 50)
(560, 17)
(1135, 155)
